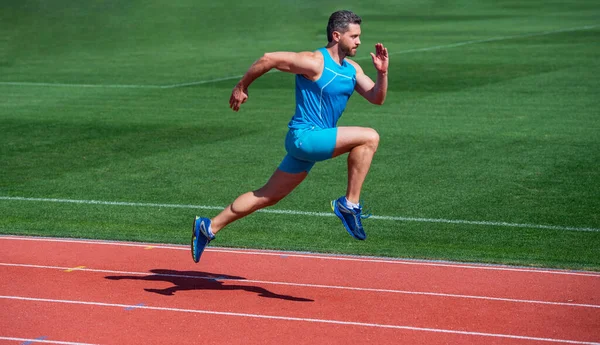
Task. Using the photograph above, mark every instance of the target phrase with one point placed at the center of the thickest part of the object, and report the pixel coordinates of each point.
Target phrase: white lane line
(417, 50)
(103, 86)
(306, 213)
(494, 39)
(317, 256)
(42, 341)
(209, 81)
(299, 319)
(202, 82)
(315, 286)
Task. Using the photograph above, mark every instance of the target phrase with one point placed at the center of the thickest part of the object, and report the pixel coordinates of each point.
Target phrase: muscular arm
(308, 64)
(374, 92)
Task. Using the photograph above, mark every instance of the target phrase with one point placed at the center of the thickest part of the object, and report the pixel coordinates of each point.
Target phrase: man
(325, 80)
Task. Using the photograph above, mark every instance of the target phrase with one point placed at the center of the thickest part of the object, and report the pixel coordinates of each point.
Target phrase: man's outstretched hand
(380, 58)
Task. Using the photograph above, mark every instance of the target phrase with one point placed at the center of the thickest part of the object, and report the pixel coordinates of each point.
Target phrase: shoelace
(367, 212)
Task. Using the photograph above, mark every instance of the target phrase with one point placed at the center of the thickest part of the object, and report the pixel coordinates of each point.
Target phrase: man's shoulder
(315, 54)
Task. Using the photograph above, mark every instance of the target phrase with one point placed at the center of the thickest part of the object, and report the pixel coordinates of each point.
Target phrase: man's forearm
(258, 68)
(380, 88)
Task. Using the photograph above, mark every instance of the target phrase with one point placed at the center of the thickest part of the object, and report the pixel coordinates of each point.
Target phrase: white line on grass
(42, 341)
(306, 213)
(494, 39)
(315, 286)
(426, 49)
(105, 86)
(201, 82)
(209, 81)
(298, 319)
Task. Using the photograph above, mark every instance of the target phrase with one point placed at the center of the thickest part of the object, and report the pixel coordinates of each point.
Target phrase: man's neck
(336, 54)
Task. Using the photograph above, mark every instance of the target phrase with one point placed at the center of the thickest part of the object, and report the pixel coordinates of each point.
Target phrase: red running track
(88, 292)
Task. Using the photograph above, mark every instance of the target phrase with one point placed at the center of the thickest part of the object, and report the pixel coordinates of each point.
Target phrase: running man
(325, 80)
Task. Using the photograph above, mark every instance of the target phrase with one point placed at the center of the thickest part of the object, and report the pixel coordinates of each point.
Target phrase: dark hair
(339, 21)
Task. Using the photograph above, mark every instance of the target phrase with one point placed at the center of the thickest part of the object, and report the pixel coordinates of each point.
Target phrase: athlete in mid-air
(325, 80)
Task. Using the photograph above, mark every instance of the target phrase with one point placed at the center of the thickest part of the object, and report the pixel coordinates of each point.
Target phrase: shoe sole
(199, 242)
(340, 216)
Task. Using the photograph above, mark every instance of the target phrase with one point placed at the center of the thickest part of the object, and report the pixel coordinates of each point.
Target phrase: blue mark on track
(134, 306)
(34, 340)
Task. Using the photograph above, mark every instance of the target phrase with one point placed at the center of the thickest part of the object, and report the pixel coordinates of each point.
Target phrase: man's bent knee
(372, 138)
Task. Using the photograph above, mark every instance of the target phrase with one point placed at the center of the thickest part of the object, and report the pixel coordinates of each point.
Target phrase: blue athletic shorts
(307, 146)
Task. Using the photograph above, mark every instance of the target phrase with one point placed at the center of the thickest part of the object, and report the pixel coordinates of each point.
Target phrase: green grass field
(490, 135)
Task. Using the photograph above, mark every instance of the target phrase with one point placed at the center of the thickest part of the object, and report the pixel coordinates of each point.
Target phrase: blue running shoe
(200, 237)
(351, 217)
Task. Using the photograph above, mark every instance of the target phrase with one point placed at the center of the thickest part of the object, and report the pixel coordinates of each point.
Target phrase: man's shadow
(192, 280)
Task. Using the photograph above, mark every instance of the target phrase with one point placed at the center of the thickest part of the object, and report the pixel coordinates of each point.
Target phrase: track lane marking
(44, 341)
(316, 286)
(298, 319)
(317, 256)
(69, 270)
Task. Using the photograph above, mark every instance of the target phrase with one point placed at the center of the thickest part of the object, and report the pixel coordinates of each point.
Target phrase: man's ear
(336, 35)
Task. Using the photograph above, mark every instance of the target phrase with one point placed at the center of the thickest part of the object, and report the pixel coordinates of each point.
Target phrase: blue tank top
(321, 103)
